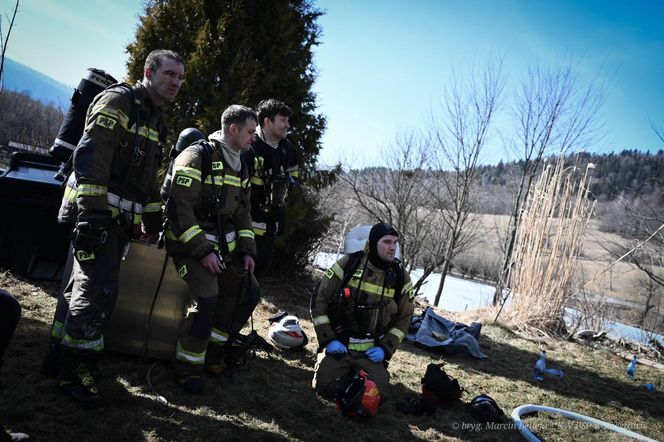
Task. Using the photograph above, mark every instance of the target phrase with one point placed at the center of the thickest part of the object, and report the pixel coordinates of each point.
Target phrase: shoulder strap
(354, 260)
(204, 148)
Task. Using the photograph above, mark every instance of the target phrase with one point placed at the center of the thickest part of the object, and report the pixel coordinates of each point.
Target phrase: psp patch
(183, 271)
(217, 165)
(329, 273)
(183, 181)
(106, 122)
(84, 255)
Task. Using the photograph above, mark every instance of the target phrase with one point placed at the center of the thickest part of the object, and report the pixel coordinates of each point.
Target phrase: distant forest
(630, 173)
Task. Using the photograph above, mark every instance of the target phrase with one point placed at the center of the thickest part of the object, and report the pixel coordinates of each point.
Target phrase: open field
(272, 399)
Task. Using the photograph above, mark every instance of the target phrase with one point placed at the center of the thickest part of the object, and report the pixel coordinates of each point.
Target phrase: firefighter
(361, 312)
(210, 238)
(273, 167)
(112, 197)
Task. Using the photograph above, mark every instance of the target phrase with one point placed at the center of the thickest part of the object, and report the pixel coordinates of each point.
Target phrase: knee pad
(202, 323)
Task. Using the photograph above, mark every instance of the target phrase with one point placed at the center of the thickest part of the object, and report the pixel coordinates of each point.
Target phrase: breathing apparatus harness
(351, 316)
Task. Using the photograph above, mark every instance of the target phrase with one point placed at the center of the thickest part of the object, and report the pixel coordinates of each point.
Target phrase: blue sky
(383, 65)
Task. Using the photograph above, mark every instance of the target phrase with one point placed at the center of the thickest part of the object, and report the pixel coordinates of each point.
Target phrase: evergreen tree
(241, 52)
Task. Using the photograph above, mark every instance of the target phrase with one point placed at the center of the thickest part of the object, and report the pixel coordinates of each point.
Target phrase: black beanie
(377, 232)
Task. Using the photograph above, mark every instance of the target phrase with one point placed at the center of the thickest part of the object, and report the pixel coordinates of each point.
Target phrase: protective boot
(77, 377)
(191, 384)
(214, 359)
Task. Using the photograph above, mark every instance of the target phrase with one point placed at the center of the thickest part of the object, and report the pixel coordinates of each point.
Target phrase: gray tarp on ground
(433, 332)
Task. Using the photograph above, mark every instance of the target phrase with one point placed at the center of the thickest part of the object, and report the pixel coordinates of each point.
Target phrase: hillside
(21, 78)
(271, 399)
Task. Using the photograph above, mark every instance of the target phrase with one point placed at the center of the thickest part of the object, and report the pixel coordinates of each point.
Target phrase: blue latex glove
(336, 348)
(376, 354)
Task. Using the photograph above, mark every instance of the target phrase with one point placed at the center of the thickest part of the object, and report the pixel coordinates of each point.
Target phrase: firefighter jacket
(367, 311)
(116, 161)
(208, 199)
(268, 167)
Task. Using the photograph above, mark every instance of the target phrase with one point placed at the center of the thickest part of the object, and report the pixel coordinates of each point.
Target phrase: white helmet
(285, 332)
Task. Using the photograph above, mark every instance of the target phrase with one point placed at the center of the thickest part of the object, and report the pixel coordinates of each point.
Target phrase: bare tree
(554, 115)
(458, 137)
(4, 40)
(393, 193)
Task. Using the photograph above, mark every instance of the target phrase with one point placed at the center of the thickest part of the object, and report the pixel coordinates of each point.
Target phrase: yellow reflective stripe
(360, 346)
(398, 333)
(138, 217)
(91, 190)
(148, 133)
(337, 270)
(231, 246)
(320, 320)
(294, 174)
(113, 113)
(246, 234)
(190, 233)
(114, 211)
(234, 181)
(218, 181)
(152, 207)
(257, 181)
(189, 356)
(245, 183)
(84, 344)
(218, 336)
(70, 194)
(58, 330)
(259, 232)
(188, 172)
(372, 288)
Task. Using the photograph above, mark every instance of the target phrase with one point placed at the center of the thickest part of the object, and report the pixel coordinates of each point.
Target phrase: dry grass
(272, 399)
(545, 252)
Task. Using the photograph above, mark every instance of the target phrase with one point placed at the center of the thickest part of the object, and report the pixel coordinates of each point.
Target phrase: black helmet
(186, 138)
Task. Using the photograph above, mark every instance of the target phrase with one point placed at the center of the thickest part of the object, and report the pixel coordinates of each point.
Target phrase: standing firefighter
(112, 197)
(273, 166)
(361, 312)
(210, 239)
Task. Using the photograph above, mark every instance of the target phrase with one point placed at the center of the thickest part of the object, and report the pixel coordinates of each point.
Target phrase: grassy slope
(272, 398)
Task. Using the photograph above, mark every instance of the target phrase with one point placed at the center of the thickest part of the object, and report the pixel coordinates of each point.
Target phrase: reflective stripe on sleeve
(91, 190)
(246, 233)
(398, 333)
(190, 233)
(188, 172)
(320, 320)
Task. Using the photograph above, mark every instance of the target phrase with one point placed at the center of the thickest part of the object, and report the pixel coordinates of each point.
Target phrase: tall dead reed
(548, 244)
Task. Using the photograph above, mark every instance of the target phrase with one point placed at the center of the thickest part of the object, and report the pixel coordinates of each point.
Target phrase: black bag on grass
(439, 386)
(485, 409)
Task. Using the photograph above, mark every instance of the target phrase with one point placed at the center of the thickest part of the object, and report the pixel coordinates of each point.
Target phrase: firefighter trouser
(331, 370)
(224, 304)
(94, 290)
(62, 307)
(264, 247)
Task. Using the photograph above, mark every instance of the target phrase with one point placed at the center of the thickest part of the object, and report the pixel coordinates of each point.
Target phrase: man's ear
(232, 129)
(148, 73)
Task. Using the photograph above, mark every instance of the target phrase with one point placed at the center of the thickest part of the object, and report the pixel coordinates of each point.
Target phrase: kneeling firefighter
(210, 238)
(361, 312)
